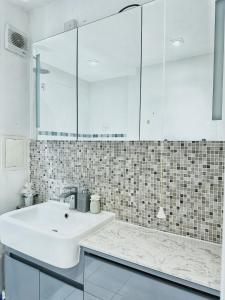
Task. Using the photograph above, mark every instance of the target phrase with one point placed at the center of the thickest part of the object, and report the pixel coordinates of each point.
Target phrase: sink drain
(54, 230)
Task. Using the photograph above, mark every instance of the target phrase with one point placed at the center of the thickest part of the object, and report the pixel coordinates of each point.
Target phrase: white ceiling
(30, 4)
(117, 51)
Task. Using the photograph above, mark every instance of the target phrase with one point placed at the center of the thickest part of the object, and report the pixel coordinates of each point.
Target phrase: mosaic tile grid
(135, 178)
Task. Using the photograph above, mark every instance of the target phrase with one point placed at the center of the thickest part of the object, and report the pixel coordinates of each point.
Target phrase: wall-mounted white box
(14, 152)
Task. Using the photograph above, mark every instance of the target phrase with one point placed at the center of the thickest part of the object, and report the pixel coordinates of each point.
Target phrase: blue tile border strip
(94, 136)
(114, 135)
(55, 133)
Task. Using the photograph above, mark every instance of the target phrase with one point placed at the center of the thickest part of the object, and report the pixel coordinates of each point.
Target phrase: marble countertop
(186, 258)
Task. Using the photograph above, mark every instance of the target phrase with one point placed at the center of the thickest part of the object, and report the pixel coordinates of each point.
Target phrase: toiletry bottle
(95, 204)
(83, 201)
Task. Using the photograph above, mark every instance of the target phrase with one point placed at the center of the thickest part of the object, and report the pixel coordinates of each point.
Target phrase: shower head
(42, 71)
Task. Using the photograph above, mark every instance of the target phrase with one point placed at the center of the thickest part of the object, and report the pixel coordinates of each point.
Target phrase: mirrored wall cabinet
(152, 72)
(55, 81)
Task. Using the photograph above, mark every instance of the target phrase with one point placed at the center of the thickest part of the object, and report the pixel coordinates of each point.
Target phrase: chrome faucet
(70, 191)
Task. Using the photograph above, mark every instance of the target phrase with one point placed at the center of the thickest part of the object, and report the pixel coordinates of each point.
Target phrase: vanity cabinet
(54, 289)
(88, 296)
(25, 280)
(21, 280)
(104, 279)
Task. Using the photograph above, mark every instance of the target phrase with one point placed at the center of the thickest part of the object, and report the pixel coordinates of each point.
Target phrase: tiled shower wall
(135, 178)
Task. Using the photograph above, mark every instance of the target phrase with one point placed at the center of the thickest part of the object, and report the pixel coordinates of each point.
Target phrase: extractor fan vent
(16, 41)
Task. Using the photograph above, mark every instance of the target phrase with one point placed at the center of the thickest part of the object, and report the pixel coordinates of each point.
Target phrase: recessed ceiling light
(93, 62)
(177, 42)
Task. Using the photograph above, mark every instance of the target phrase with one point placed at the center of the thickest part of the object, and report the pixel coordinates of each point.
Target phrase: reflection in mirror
(109, 54)
(177, 89)
(189, 70)
(54, 62)
(152, 71)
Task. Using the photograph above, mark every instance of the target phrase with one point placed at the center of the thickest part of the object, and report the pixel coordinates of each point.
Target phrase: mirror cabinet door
(54, 61)
(174, 96)
(109, 59)
(178, 70)
(189, 61)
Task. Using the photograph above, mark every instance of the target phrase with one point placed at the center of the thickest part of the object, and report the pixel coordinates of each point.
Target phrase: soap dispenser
(95, 204)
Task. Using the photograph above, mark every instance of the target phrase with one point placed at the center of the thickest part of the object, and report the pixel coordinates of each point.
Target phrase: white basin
(43, 231)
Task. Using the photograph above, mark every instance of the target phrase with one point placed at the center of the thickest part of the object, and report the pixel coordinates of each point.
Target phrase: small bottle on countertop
(28, 194)
(95, 204)
(83, 201)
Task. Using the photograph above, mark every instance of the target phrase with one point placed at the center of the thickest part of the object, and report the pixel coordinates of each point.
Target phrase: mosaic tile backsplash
(135, 178)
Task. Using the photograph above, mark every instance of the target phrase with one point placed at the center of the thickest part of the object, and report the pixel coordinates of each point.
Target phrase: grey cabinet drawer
(54, 289)
(21, 280)
(108, 280)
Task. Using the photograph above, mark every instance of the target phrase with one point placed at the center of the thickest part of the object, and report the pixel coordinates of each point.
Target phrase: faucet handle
(70, 188)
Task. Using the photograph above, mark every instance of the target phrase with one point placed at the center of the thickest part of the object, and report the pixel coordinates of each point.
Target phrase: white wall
(182, 113)
(58, 101)
(184, 110)
(116, 98)
(14, 105)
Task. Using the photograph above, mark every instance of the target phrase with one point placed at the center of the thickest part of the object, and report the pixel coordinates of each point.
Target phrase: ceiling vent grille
(15, 41)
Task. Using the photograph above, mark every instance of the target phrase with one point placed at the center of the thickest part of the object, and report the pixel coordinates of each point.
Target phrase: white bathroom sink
(49, 232)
